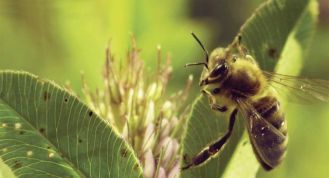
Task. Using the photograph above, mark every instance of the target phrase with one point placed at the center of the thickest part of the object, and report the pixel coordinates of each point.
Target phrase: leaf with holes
(277, 35)
(47, 132)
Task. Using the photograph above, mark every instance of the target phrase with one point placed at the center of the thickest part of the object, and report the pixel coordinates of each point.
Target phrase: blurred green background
(58, 39)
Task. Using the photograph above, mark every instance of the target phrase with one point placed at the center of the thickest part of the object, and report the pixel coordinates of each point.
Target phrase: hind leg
(215, 147)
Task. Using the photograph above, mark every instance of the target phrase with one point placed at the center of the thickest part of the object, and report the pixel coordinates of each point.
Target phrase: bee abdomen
(270, 142)
(269, 108)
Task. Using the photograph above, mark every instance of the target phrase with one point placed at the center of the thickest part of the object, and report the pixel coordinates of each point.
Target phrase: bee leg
(203, 82)
(237, 43)
(219, 108)
(215, 147)
(213, 104)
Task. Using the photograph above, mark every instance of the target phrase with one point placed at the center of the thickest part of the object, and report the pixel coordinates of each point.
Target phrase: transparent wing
(253, 117)
(265, 138)
(299, 89)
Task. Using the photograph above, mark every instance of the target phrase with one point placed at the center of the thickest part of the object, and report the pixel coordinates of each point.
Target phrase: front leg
(213, 104)
(218, 108)
(215, 147)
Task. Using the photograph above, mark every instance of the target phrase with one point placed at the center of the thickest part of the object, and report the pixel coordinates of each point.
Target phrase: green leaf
(277, 36)
(5, 171)
(47, 132)
(268, 31)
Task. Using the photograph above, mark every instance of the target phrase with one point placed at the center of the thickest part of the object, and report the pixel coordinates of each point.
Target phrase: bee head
(216, 65)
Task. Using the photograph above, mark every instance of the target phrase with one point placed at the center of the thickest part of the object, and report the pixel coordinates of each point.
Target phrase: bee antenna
(202, 46)
(197, 63)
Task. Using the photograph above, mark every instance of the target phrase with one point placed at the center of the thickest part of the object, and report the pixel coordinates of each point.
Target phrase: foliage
(47, 132)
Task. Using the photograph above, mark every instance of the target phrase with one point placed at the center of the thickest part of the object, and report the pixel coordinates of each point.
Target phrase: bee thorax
(244, 82)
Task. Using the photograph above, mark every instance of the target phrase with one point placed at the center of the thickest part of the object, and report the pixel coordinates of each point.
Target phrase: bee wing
(300, 90)
(266, 139)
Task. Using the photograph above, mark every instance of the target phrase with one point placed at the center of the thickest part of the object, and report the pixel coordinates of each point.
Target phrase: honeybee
(234, 83)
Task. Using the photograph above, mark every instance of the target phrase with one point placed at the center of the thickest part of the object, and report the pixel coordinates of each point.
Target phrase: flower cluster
(136, 105)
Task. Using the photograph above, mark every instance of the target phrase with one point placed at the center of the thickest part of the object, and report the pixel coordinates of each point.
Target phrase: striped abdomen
(269, 135)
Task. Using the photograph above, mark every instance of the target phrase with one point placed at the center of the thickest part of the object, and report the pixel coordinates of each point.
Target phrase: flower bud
(149, 164)
(149, 136)
(165, 127)
(167, 146)
(167, 109)
(162, 173)
(114, 92)
(174, 172)
(140, 95)
(151, 91)
(150, 113)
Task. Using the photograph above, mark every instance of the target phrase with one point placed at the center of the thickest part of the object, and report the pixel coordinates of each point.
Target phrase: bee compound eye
(216, 90)
(220, 69)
